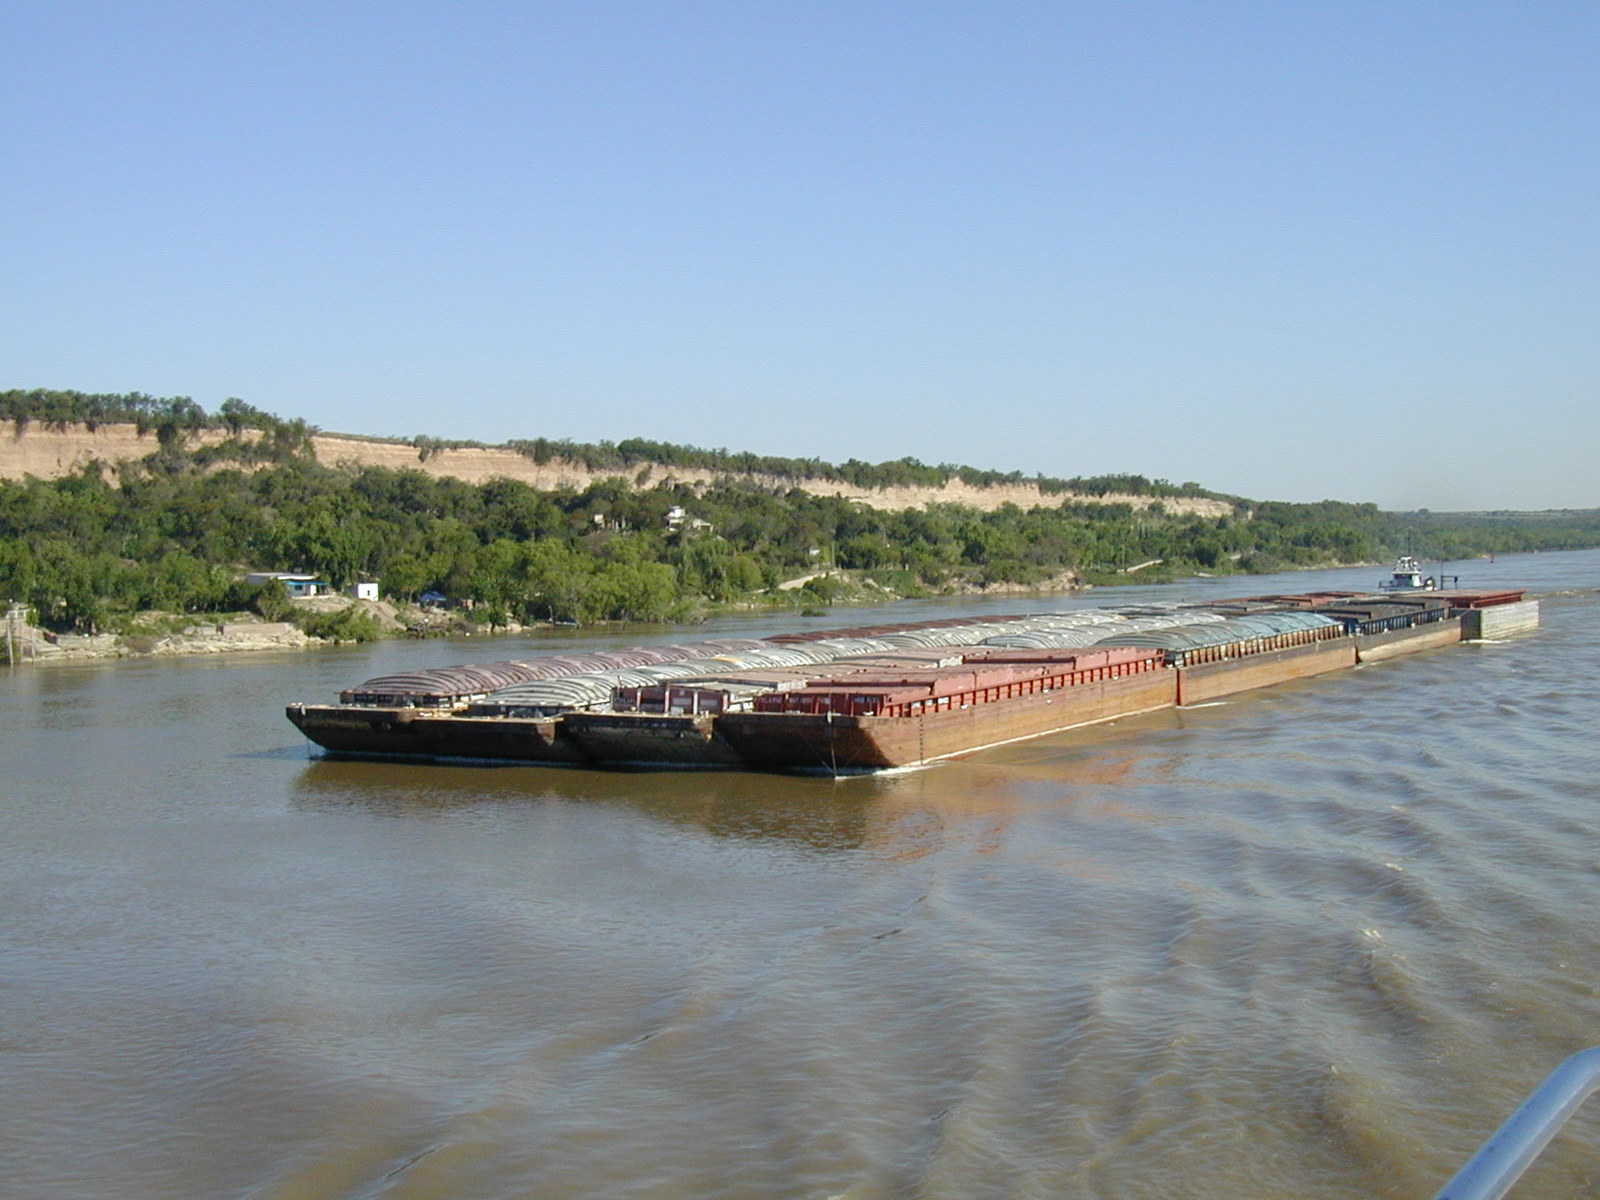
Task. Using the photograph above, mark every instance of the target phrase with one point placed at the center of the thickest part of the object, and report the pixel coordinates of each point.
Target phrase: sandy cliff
(50, 453)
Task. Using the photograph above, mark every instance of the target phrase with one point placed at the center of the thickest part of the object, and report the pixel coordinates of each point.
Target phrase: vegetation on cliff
(631, 454)
(252, 435)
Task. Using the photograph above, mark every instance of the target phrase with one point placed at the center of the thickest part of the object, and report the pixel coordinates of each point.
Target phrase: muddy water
(1316, 941)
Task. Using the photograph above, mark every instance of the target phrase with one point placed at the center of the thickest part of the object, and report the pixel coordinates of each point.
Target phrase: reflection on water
(820, 814)
(1316, 941)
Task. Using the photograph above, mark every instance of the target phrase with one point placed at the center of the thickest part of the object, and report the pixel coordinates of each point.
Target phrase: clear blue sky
(1287, 250)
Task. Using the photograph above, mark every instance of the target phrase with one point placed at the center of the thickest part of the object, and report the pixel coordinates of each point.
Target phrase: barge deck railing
(1502, 1159)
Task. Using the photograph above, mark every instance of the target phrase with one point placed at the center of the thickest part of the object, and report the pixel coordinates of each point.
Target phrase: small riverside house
(300, 586)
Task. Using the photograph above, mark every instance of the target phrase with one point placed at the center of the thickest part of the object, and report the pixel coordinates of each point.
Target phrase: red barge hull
(835, 742)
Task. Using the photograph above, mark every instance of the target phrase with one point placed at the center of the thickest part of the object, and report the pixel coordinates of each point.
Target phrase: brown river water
(1317, 941)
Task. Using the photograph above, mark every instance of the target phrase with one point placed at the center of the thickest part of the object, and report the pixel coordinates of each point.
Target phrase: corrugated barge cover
(739, 688)
(874, 631)
(1057, 630)
(773, 676)
(839, 647)
(937, 682)
(1058, 639)
(964, 635)
(780, 656)
(596, 689)
(905, 659)
(1221, 633)
(1175, 610)
(1071, 659)
(636, 657)
(548, 696)
(439, 685)
(783, 678)
(1058, 621)
(766, 669)
(1138, 625)
(445, 685)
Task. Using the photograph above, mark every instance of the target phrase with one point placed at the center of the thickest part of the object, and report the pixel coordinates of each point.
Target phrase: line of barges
(888, 696)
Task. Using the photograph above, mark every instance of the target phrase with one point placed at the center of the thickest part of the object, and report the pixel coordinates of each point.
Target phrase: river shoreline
(166, 636)
(34, 646)
(246, 633)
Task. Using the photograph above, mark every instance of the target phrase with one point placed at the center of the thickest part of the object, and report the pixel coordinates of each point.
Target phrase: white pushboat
(1407, 577)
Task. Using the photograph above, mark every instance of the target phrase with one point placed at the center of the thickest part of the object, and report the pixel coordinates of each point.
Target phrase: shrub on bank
(346, 625)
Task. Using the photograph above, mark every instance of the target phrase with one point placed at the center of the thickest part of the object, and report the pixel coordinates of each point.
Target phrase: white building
(300, 586)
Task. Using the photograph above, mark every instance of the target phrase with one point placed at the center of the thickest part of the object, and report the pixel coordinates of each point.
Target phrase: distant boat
(1407, 577)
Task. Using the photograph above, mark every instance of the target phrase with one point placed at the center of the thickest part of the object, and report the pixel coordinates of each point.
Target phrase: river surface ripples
(1316, 941)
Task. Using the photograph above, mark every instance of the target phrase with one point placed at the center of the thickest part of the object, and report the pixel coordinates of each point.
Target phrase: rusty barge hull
(831, 742)
(834, 742)
(342, 729)
(1375, 647)
(641, 740)
(1227, 677)
(421, 734)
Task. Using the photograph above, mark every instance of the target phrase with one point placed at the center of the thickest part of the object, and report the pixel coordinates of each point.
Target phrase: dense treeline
(83, 549)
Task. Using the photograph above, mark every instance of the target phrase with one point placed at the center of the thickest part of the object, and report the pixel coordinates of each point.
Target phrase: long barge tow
(888, 696)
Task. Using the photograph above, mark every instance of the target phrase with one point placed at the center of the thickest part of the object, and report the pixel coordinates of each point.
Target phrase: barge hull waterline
(415, 734)
(1376, 647)
(390, 732)
(1229, 676)
(632, 740)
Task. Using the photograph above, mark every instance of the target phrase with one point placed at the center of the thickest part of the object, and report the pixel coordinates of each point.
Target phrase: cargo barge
(869, 699)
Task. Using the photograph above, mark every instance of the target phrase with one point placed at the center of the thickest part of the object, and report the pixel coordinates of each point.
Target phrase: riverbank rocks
(35, 645)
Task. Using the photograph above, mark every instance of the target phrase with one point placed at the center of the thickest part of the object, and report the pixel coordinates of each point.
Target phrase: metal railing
(1501, 1160)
